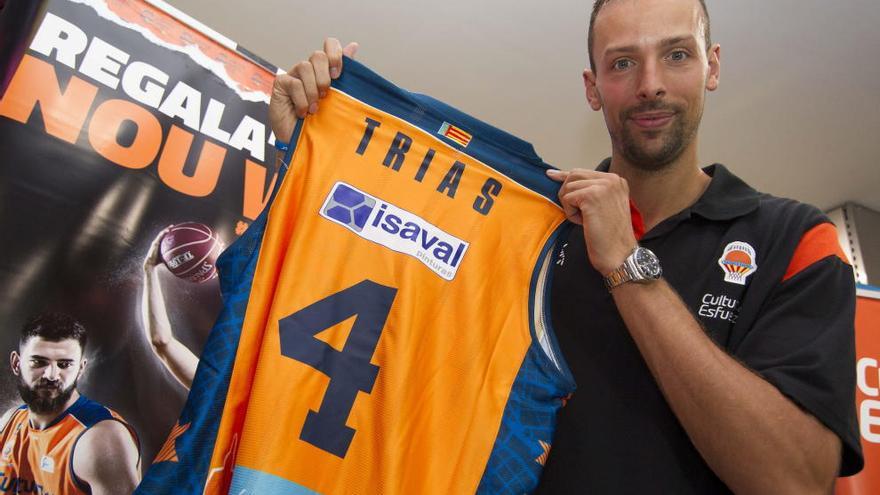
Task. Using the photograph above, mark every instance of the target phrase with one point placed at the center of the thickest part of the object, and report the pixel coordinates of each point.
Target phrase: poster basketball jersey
(384, 327)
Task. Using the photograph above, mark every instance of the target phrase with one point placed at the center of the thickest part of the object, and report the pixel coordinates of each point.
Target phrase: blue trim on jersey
(85, 410)
(504, 152)
(552, 245)
(204, 405)
(867, 287)
(561, 234)
(246, 480)
(88, 412)
(534, 401)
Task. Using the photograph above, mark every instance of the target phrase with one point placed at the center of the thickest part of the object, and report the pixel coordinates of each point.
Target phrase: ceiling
(797, 113)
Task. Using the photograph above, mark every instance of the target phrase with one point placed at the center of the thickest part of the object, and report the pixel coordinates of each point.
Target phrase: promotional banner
(119, 122)
(867, 393)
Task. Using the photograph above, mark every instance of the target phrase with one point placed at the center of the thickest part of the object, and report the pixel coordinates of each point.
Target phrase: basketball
(190, 251)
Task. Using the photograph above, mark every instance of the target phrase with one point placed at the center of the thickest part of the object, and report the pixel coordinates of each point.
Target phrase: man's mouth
(652, 120)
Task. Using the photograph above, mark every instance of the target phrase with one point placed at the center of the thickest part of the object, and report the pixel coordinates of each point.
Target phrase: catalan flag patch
(455, 133)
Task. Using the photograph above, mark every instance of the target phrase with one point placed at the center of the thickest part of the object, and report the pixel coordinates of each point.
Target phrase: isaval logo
(395, 228)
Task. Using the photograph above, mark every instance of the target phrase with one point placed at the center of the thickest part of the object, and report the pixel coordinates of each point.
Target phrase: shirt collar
(726, 198)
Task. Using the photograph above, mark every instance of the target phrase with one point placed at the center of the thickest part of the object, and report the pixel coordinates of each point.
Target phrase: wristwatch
(640, 266)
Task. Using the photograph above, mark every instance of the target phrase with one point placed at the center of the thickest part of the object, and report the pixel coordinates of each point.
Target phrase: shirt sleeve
(803, 342)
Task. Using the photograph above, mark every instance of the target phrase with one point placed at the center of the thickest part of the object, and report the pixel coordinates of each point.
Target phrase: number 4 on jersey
(349, 370)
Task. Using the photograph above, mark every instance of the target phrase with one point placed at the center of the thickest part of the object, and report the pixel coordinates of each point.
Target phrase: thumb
(557, 175)
(350, 49)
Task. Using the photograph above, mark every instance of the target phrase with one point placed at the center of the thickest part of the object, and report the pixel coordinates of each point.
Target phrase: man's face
(47, 373)
(652, 72)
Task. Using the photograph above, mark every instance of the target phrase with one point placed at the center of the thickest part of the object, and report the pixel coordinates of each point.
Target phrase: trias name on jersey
(395, 228)
(396, 155)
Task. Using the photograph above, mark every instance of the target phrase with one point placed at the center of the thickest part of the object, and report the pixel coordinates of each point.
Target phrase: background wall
(797, 114)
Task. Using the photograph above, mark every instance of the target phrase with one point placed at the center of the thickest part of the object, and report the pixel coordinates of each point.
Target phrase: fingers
(309, 80)
(292, 94)
(321, 68)
(580, 178)
(308, 86)
(557, 175)
(154, 245)
(333, 49)
(585, 190)
(296, 93)
(153, 256)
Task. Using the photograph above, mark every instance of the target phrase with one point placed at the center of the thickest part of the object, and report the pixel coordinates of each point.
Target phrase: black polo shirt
(765, 280)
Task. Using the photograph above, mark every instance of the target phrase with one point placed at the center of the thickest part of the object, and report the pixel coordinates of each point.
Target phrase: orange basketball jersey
(41, 461)
(387, 311)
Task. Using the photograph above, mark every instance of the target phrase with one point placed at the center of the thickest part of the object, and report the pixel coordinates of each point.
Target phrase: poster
(119, 121)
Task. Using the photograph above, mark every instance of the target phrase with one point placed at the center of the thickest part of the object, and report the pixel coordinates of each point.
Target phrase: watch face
(648, 263)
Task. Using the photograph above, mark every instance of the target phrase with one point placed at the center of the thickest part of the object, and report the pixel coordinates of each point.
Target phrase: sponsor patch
(395, 228)
(47, 464)
(738, 261)
(7, 449)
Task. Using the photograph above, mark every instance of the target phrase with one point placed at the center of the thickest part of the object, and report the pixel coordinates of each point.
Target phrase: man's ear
(714, 78)
(82, 368)
(592, 92)
(15, 363)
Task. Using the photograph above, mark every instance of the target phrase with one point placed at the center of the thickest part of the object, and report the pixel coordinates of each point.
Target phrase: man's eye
(65, 365)
(678, 56)
(622, 64)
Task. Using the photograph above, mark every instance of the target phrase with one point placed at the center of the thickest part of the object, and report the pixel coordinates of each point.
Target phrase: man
(59, 442)
(735, 370)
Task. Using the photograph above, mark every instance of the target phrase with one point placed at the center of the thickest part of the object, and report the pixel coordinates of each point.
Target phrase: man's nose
(651, 83)
(52, 372)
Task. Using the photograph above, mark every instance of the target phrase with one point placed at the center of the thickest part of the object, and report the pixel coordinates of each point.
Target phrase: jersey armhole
(82, 485)
(540, 322)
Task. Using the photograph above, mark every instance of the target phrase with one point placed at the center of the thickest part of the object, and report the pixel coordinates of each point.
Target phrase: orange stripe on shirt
(817, 244)
(638, 222)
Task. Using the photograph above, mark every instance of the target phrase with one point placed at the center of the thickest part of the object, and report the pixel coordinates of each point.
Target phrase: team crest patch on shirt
(456, 134)
(738, 262)
(395, 228)
(47, 464)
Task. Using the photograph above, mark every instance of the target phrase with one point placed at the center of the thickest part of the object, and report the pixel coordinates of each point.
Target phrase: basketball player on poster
(60, 442)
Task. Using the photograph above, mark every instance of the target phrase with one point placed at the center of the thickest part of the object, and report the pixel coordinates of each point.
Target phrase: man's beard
(676, 139)
(38, 398)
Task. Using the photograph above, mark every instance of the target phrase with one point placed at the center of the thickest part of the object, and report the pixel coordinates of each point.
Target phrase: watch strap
(619, 275)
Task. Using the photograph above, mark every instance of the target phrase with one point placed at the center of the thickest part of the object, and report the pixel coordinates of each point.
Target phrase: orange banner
(867, 394)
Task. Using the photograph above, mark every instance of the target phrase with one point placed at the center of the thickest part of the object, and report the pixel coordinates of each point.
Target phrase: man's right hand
(296, 94)
(153, 257)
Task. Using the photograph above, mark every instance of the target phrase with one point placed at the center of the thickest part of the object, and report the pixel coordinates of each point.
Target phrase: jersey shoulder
(89, 412)
(9, 416)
